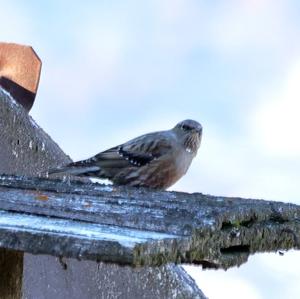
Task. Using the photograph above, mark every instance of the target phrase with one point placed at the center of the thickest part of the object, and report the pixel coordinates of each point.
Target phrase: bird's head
(190, 131)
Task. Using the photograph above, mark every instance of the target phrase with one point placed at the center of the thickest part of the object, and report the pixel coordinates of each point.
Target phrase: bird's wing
(136, 152)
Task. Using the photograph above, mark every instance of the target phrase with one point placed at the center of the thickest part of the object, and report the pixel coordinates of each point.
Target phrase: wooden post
(11, 268)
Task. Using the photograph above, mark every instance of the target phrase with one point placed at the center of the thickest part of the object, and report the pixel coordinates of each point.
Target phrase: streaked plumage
(155, 160)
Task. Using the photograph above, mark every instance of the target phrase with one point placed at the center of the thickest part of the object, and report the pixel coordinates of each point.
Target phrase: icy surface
(35, 224)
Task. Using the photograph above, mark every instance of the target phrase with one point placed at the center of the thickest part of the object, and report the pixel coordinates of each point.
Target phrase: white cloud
(16, 26)
(223, 285)
(244, 25)
(276, 121)
(265, 275)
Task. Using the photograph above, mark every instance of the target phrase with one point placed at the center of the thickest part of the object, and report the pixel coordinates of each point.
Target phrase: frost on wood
(139, 226)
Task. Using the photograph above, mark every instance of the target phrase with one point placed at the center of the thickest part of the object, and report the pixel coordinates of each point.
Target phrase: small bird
(156, 160)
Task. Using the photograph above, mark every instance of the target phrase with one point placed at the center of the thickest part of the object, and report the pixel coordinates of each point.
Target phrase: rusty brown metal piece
(20, 69)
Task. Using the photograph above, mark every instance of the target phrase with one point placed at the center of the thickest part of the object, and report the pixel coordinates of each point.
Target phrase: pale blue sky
(115, 69)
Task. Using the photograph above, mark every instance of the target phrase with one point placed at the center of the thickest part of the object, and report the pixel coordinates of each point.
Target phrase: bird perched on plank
(155, 160)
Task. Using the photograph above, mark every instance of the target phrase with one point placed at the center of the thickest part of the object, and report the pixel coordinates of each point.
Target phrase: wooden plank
(171, 212)
(139, 226)
(61, 237)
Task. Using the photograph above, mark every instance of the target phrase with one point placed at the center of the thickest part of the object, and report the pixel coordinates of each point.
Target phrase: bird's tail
(77, 169)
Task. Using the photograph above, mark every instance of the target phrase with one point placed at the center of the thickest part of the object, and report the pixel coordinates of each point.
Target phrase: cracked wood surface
(139, 226)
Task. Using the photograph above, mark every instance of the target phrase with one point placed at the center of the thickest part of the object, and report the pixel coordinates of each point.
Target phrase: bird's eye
(186, 128)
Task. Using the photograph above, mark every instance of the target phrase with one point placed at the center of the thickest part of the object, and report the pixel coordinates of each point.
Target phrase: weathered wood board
(138, 226)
